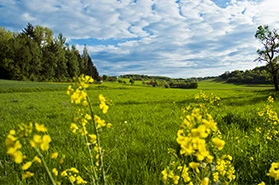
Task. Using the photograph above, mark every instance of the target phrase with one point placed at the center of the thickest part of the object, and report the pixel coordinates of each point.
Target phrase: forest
(35, 54)
(258, 75)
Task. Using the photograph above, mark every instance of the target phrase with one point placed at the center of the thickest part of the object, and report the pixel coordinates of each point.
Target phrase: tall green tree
(270, 51)
(27, 58)
(88, 66)
(34, 54)
(49, 62)
(61, 72)
(43, 35)
(5, 53)
(29, 31)
(72, 62)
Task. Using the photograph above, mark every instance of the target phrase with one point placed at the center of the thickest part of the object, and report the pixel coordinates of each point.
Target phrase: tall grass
(145, 121)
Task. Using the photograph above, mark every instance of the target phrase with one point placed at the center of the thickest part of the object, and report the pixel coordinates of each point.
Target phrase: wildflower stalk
(94, 175)
(98, 141)
(45, 165)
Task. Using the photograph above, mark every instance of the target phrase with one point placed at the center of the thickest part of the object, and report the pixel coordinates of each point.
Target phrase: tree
(72, 62)
(87, 65)
(270, 51)
(5, 53)
(132, 81)
(61, 72)
(29, 31)
(43, 35)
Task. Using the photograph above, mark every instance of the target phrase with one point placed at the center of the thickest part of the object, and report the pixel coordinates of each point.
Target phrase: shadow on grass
(260, 96)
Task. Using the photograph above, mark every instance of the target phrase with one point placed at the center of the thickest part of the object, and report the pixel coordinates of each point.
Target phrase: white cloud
(27, 18)
(174, 38)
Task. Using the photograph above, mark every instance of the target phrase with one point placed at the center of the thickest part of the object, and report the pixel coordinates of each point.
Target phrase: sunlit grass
(145, 121)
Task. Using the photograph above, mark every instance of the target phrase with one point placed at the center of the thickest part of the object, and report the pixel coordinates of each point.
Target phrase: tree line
(35, 54)
(258, 75)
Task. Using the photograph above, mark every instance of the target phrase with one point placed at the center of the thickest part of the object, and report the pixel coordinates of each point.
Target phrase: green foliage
(132, 81)
(145, 122)
(35, 55)
(270, 53)
(258, 75)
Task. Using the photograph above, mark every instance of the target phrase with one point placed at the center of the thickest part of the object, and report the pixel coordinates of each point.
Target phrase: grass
(145, 121)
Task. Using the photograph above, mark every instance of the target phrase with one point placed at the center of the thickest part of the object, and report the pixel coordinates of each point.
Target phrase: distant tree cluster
(139, 77)
(109, 78)
(183, 84)
(161, 81)
(258, 75)
(35, 55)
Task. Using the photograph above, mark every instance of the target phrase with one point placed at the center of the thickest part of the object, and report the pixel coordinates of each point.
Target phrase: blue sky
(174, 38)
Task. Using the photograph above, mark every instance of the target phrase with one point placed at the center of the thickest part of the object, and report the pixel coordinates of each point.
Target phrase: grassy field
(145, 121)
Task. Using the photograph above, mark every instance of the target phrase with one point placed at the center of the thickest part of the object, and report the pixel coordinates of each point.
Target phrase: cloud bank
(175, 38)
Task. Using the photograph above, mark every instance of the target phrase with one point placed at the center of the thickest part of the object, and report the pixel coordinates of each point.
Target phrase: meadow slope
(145, 121)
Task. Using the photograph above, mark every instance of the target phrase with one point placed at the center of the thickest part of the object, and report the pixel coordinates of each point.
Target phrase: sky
(173, 38)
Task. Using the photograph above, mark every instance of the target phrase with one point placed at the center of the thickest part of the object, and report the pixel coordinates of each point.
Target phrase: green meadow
(144, 122)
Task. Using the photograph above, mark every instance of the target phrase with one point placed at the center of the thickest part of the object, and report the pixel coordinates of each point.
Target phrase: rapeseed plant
(270, 132)
(89, 125)
(198, 160)
(212, 99)
(38, 139)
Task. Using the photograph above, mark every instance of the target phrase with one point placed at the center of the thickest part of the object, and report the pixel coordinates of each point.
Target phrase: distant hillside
(258, 75)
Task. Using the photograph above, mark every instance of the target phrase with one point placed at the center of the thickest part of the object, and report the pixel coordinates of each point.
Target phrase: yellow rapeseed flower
(93, 138)
(185, 174)
(78, 96)
(18, 156)
(54, 171)
(218, 143)
(40, 128)
(74, 170)
(54, 155)
(37, 140)
(26, 175)
(88, 117)
(100, 123)
(270, 99)
(165, 174)
(26, 165)
(12, 149)
(10, 139)
(195, 166)
(103, 105)
(89, 79)
(72, 178)
(175, 179)
(109, 125)
(64, 173)
(274, 171)
(70, 90)
(37, 159)
(216, 177)
(205, 181)
(45, 142)
(209, 158)
(80, 180)
(74, 127)
(85, 103)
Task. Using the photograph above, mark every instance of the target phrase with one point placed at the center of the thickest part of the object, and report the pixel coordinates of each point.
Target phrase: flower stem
(98, 142)
(45, 165)
(94, 175)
